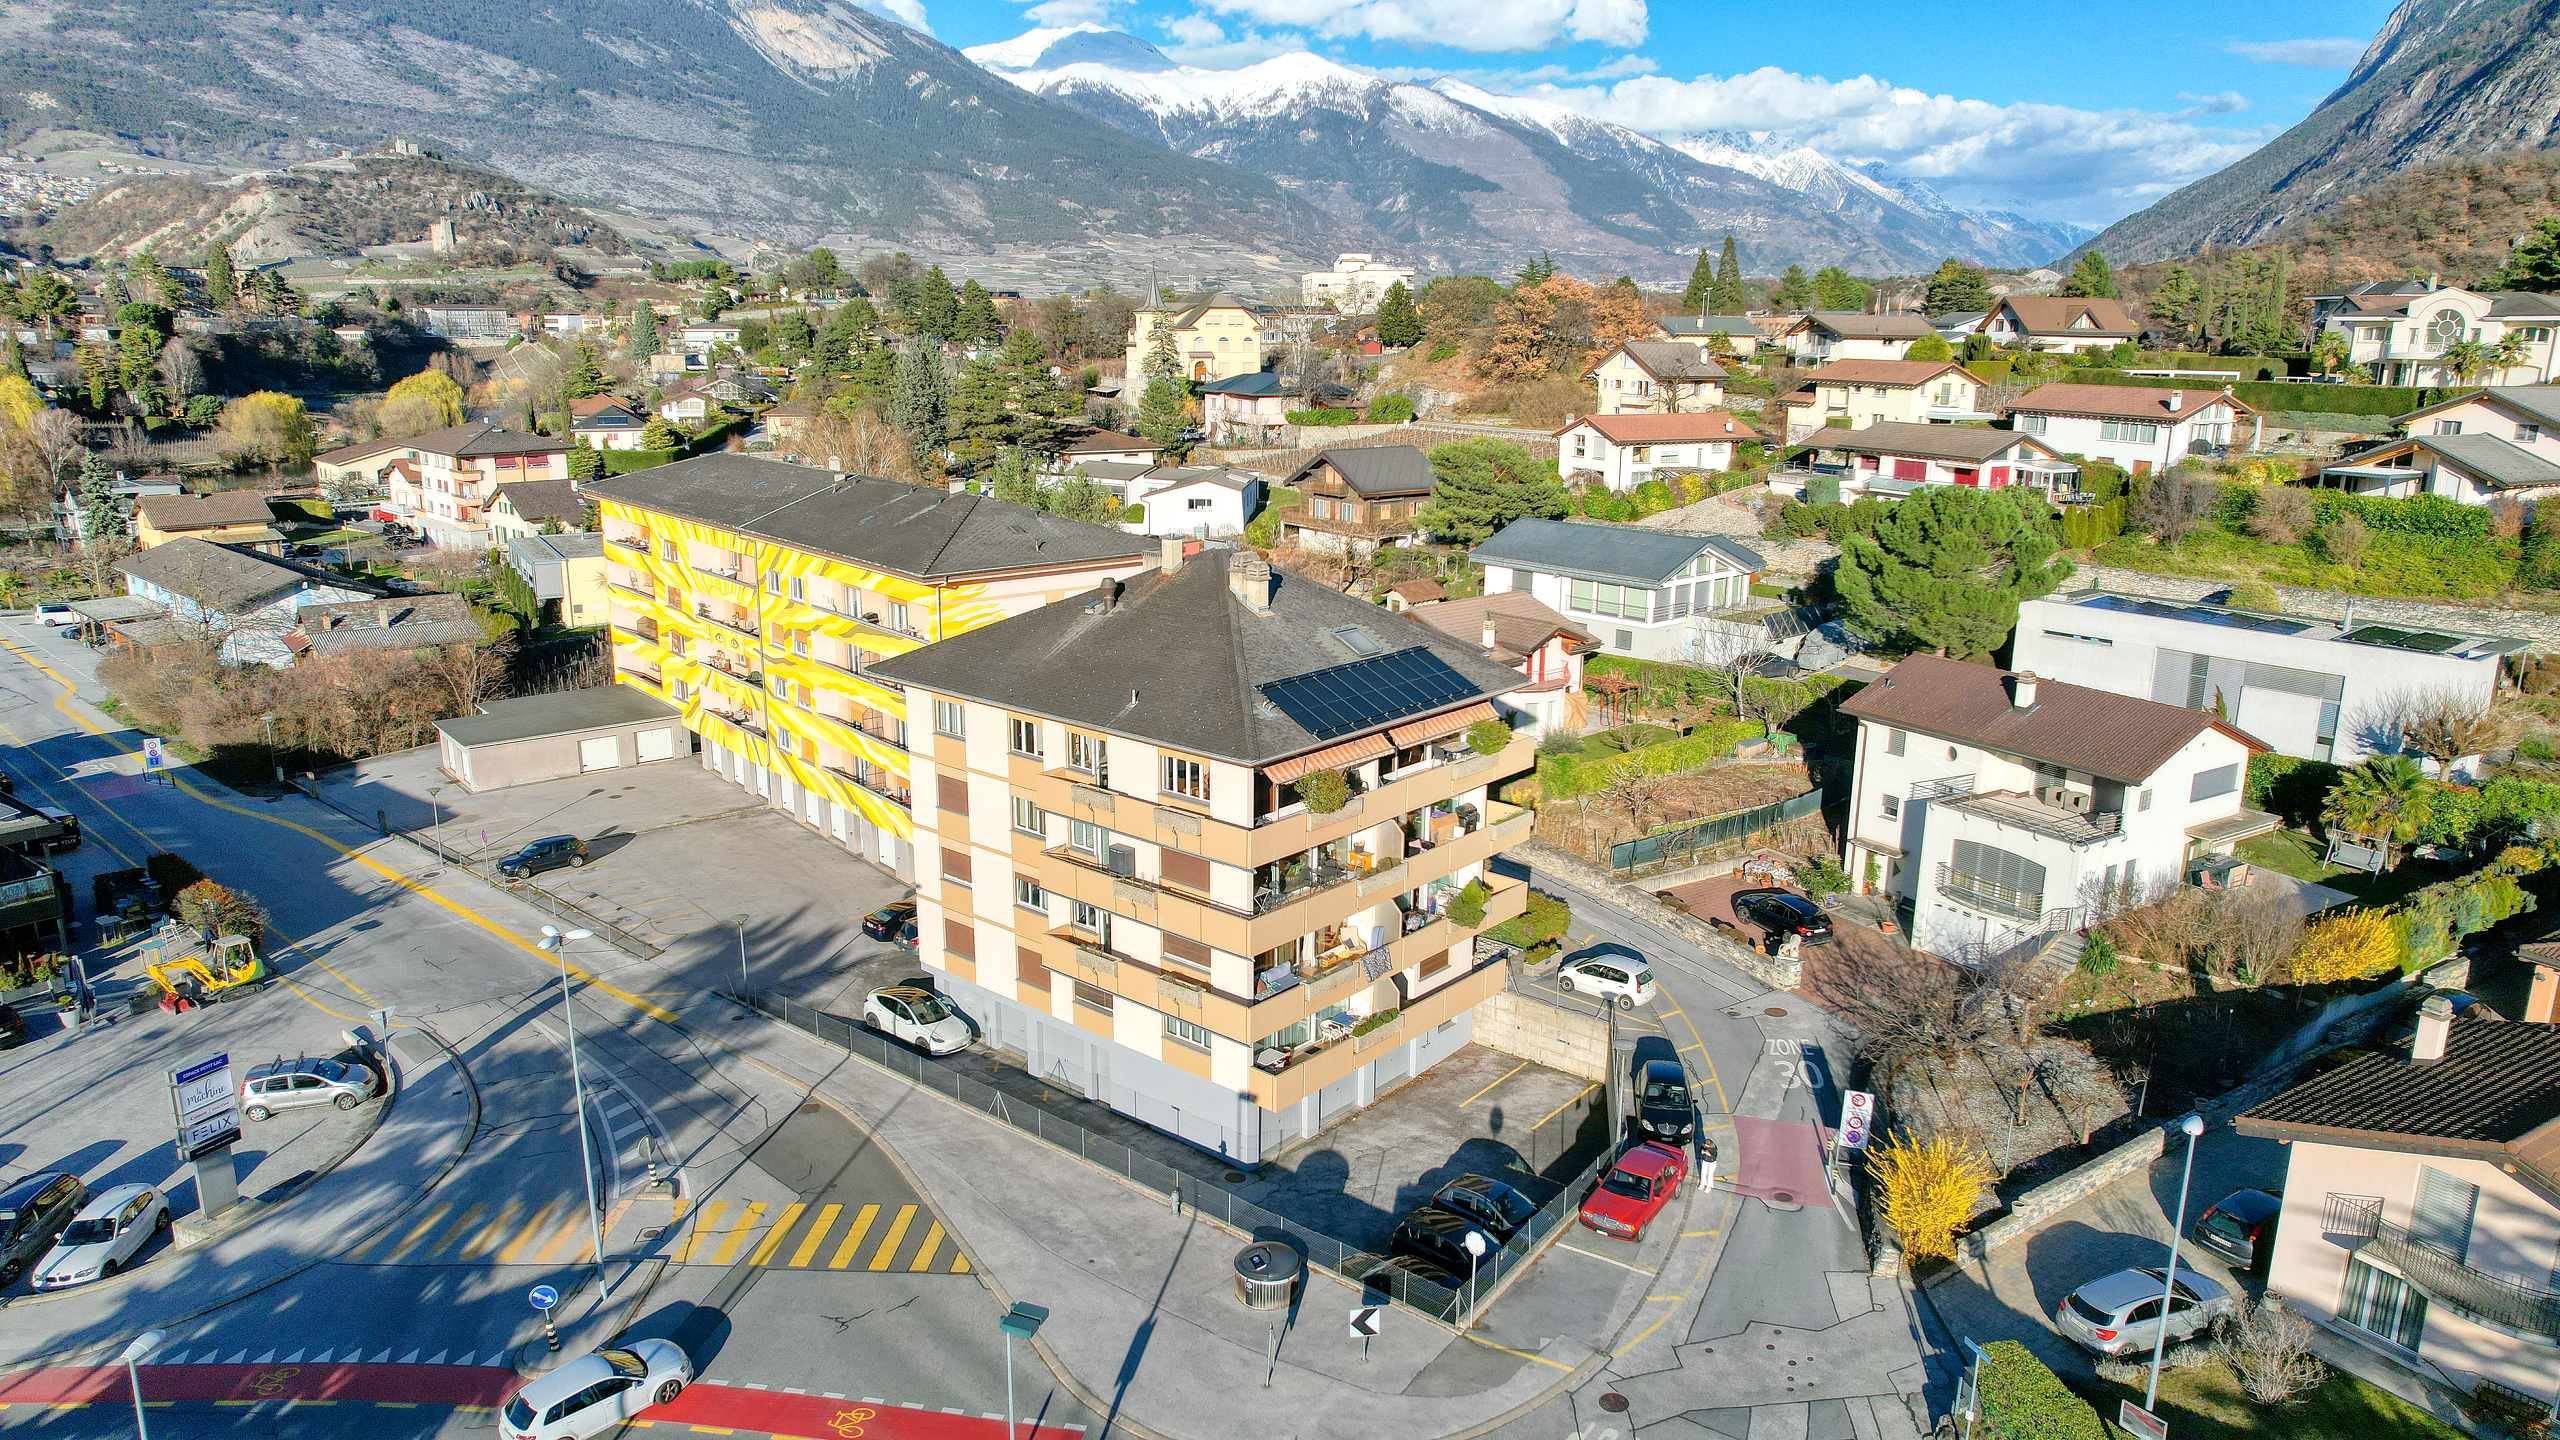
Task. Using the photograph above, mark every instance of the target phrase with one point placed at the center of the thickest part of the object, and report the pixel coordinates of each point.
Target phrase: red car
(1635, 1190)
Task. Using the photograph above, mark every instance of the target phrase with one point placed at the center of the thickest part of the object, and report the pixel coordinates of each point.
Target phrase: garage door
(657, 745)
(602, 753)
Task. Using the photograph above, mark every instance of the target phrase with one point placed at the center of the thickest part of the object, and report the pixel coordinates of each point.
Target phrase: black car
(1780, 913)
(2240, 1227)
(893, 921)
(1379, 1272)
(1662, 1103)
(13, 1027)
(1501, 1210)
(549, 853)
(1439, 1235)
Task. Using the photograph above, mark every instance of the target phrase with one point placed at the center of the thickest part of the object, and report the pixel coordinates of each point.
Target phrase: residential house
(2304, 686)
(1638, 591)
(400, 622)
(2368, 297)
(742, 392)
(2488, 444)
(1624, 451)
(785, 424)
(1106, 445)
(1135, 898)
(227, 517)
(527, 506)
(2421, 1210)
(566, 574)
(363, 469)
(704, 334)
(1254, 409)
(1354, 285)
(1822, 336)
(756, 595)
(2140, 427)
(246, 597)
(1893, 459)
(669, 366)
(1656, 377)
(2005, 809)
(1198, 502)
(1516, 628)
(1741, 332)
(688, 403)
(1358, 497)
(606, 422)
(571, 323)
(1214, 338)
(1850, 393)
(481, 324)
(454, 473)
(1956, 326)
(70, 517)
(2062, 323)
(1406, 595)
(2404, 343)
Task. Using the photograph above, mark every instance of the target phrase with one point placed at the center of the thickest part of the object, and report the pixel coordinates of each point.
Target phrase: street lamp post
(1476, 1246)
(556, 940)
(271, 747)
(2191, 1127)
(435, 812)
(143, 1344)
(1023, 1321)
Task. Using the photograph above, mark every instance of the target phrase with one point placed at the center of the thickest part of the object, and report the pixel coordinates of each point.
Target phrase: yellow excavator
(186, 981)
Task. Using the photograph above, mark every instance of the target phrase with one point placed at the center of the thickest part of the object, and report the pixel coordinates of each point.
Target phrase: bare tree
(1730, 652)
(2269, 1347)
(2283, 515)
(2446, 727)
(2174, 504)
(2253, 931)
(2081, 1089)
(1637, 795)
(1906, 1007)
(54, 435)
(181, 370)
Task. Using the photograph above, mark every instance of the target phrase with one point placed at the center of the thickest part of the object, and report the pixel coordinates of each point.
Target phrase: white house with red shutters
(1895, 458)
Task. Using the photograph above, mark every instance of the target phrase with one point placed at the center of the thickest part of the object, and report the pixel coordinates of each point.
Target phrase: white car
(111, 1230)
(916, 1016)
(1610, 977)
(596, 1392)
(54, 612)
(2117, 1313)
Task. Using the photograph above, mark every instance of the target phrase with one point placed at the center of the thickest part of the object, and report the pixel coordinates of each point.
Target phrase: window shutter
(1189, 952)
(959, 939)
(2221, 780)
(1028, 969)
(954, 792)
(955, 865)
(1191, 872)
(2444, 1210)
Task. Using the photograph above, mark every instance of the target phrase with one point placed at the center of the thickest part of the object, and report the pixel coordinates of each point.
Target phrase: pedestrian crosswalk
(902, 1237)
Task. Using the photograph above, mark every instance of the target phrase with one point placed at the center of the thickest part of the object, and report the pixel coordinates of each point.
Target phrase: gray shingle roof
(1963, 444)
(2493, 458)
(545, 499)
(223, 508)
(1737, 326)
(1374, 470)
(884, 524)
(1176, 661)
(1606, 552)
(557, 714)
(1852, 325)
(228, 580)
(1669, 360)
(403, 623)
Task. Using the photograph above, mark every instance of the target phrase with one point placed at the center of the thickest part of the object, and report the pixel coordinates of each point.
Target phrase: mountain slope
(2445, 79)
(1454, 177)
(792, 120)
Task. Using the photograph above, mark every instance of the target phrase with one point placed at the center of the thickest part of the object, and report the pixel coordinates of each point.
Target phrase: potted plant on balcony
(1325, 791)
(1466, 909)
(1488, 737)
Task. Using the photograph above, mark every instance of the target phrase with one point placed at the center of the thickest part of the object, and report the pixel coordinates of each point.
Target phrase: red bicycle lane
(721, 1407)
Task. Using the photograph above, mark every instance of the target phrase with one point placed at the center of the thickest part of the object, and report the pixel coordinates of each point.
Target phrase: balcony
(1308, 1068)
(732, 622)
(1975, 893)
(1355, 529)
(641, 544)
(2025, 812)
(2502, 1304)
(900, 797)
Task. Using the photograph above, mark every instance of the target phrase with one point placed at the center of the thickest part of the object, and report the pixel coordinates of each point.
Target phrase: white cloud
(2229, 102)
(1478, 25)
(1200, 41)
(1508, 81)
(2337, 54)
(909, 13)
(1069, 13)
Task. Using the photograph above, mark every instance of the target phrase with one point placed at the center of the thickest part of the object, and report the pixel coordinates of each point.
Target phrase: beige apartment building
(1214, 338)
(1119, 876)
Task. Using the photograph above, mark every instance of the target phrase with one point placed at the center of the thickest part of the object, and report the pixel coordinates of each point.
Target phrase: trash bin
(1267, 1275)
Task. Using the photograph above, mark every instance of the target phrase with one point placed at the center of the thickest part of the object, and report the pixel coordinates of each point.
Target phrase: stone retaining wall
(2035, 1209)
(1550, 1035)
(2541, 630)
(1585, 876)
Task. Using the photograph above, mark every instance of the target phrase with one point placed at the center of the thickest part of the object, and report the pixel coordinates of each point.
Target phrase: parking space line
(773, 1238)
(853, 1238)
(924, 1253)
(818, 1229)
(738, 1233)
(1523, 1354)
(1569, 1104)
(1603, 1259)
(1507, 1074)
(538, 1226)
(888, 1251)
(703, 1220)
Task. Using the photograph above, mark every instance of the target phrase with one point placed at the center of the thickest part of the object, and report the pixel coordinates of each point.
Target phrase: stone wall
(2035, 1209)
(2541, 631)
(1572, 1041)
(1591, 879)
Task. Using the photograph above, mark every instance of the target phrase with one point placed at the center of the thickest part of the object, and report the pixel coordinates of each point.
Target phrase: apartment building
(1822, 336)
(443, 481)
(1214, 338)
(2140, 427)
(1849, 394)
(2304, 686)
(756, 596)
(2402, 339)
(1354, 285)
(2422, 1205)
(2005, 808)
(1638, 591)
(2502, 442)
(1121, 881)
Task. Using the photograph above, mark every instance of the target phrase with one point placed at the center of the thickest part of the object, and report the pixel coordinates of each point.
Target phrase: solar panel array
(2204, 615)
(1364, 693)
(2425, 642)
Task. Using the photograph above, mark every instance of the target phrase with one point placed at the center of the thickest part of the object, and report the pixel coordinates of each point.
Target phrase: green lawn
(2393, 564)
(2293, 853)
(2207, 1404)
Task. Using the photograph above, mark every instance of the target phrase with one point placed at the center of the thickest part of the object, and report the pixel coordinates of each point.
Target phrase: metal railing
(1948, 788)
(1205, 1198)
(2034, 816)
(1974, 892)
(2443, 1278)
(1710, 832)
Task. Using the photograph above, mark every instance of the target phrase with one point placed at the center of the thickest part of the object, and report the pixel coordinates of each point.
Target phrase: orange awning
(1447, 723)
(1349, 752)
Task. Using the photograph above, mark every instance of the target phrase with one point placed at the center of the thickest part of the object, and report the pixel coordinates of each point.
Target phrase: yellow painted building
(1215, 338)
(755, 596)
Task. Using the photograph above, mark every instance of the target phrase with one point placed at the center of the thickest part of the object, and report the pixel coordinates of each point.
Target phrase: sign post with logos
(1857, 1125)
(206, 1106)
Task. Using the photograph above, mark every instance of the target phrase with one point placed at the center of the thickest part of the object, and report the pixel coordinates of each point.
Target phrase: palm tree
(2511, 350)
(2463, 359)
(2387, 797)
(2331, 352)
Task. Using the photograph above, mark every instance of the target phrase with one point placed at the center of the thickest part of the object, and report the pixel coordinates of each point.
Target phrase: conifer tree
(221, 283)
(1702, 284)
(1399, 320)
(1728, 289)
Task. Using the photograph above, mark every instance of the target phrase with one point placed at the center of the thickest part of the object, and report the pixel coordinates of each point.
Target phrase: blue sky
(2070, 112)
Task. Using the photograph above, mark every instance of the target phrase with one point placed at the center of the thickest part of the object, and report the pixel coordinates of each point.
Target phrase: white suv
(1613, 978)
(916, 1016)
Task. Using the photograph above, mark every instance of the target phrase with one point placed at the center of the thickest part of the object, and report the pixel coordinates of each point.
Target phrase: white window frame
(1187, 778)
(950, 718)
(1022, 737)
(1028, 895)
(1029, 818)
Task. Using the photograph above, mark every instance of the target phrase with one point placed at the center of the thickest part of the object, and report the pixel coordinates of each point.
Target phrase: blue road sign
(544, 1297)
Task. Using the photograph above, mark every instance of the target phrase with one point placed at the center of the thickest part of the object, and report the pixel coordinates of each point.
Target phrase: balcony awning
(1333, 757)
(1449, 723)
(2237, 826)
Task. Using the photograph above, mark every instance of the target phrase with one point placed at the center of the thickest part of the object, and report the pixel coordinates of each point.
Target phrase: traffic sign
(544, 1297)
(2141, 1422)
(1365, 1321)
(153, 756)
(1857, 1118)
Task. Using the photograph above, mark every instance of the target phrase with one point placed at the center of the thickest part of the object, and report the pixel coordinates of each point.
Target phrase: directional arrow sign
(1365, 1321)
(544, 1297)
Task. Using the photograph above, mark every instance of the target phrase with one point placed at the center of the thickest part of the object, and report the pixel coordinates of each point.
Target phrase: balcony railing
(2033, 815)
(2493, 1300)
(1948, 788)
(728, 623)
(898, 797)
(1974, 892)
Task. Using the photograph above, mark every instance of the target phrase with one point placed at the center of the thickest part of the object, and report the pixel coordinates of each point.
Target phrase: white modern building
(1354, 285)
(2140, 427)
(2005, 809)
(2401, 340)
(2303, 686)
(1192, 502)
(2501, 443)
(1639, 592)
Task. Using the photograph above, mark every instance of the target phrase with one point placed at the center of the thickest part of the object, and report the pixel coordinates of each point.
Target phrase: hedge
(2027, 1401)
(1561, 777)
(2315, 399)
(2431, 517)
(2288, 786)
(1324, 417)
(623, 462)
(2091, 526)
(1542, 923)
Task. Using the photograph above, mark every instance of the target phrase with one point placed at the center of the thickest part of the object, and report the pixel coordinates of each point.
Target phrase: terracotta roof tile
(2104, 734)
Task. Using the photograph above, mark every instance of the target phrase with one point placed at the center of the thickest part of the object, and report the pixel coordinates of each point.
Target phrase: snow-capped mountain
(1457, 177)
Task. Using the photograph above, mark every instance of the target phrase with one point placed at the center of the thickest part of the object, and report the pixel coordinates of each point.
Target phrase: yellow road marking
(818, 1229)
(570, 1236)
(959, 1259)
(458, 1228)
(738, 1233)
(853, 1237)
(924, 1253)
(1723, 1102)
(395, 1404)
(703, 1219)
(773, 1237)
(434, 1218)
(474, 1247)
(1523, 1354)
(1587, 1089)
(1507, 1074)
(888, 1251)
(539, 1225)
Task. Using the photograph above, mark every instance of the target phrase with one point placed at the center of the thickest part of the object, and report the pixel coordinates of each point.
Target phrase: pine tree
(644, 331)
(937, 306)
(1015, 477)
(1538, 271)
(1793, 291)
(1956, 288)
(585, 463)
(1834, 289)
(1399, 321)
(920, 402)
(585, 376)
(2091, 279)
(2176, 298)
(1164, 352)
(221, 283)
(661, 434)
(1947, 567)
(2534, 263)
(1479, 486)
(1702, 284)
(13, 357)
(1728, 290)
(98, 516)
(1163, 414)
(978, 323)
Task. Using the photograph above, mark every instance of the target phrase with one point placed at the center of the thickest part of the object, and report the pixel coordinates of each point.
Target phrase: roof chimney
(2431, 284)
(1170, 556)
(1488, 629)
(2435, 1023)
(1249, 576)
(2177, 398)
(2022, 691)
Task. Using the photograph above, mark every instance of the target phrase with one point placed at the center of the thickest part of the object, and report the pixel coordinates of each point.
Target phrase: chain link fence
(1442, 1303)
